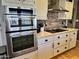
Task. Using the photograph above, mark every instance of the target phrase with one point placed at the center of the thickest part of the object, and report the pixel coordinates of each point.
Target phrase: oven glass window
(22, 42)
(19, 17)
(26, 21)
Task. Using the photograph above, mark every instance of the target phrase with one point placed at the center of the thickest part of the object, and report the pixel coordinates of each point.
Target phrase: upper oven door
(21, 19)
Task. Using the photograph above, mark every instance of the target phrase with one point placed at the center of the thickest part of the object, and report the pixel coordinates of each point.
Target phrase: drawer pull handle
(74, 33)
(66, 40)
(58, 37)
(25, 58)
(66, 35)
(65, 47)
(58, 43)
(46, 40)
(57, 50)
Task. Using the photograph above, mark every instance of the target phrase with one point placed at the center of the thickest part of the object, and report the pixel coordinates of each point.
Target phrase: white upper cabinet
(42, 9)
(10, 2)
(69, 7)
(26, 3)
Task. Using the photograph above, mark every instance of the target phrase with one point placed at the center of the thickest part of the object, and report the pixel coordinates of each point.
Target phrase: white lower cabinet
(32, 55)
(73, 38)
(45, 51)
(53, 45)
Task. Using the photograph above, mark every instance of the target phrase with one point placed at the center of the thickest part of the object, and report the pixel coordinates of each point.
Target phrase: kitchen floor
(71, 54)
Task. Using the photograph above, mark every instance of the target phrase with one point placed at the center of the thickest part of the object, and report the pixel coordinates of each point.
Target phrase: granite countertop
(45, 34)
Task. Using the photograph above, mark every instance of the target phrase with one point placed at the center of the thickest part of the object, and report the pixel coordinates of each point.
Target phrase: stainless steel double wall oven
(21, 31)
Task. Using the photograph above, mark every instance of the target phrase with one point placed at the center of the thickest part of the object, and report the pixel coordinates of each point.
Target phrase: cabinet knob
(65, 47)
(46, 40)
(25, 58)
(57, 50)
(66, 35)
(58, 37)
(58, 43)
(66, 40)
(74, 33)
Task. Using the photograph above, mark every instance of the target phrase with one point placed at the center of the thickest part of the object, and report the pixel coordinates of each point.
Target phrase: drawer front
(65, 47)
(45, 40)
(61, 36)
(66, 41)
(73, 34)
(58, 50)
(72, 43)
(58, 43)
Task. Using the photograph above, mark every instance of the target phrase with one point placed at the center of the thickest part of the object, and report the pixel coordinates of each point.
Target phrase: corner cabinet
(42, 9)
(73, 39)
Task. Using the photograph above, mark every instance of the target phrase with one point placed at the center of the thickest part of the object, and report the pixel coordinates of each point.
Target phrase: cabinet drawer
(66, 47)
(45, 40)
(58, 50)
(73, 34)
(58, 43)
(61, 36)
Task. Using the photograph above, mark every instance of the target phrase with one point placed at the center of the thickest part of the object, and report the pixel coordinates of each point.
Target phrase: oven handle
(20, 30)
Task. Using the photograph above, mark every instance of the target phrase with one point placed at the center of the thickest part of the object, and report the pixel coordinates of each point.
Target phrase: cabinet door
(73, 39)
(45, 51)
(69, 7)
(42, 7)
(11, 1)
(26, 2)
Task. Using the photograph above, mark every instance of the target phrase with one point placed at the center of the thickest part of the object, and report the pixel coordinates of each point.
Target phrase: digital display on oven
(22, 42)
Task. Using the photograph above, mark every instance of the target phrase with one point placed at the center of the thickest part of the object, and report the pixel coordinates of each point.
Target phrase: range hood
(57, 9)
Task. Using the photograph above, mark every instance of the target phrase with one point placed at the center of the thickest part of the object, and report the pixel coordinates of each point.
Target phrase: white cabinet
(32, 55)
(10, 2)
(42, 9)
(45, 47)
(26, 2)
(53, 45)
(69, 7)
(45, 51)
(73, 38)
(23, 3)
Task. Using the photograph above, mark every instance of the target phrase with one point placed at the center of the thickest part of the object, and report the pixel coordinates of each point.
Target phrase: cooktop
(55, 30)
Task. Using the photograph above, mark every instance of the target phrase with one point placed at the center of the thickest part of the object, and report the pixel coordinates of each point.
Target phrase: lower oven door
(20, 43)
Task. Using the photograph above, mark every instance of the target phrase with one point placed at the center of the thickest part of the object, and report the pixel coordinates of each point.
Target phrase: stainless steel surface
(14, 28)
